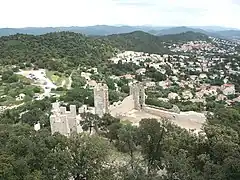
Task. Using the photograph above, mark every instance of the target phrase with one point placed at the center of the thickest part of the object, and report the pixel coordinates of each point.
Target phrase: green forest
(58, 51)
(152, 151)
(61, 51)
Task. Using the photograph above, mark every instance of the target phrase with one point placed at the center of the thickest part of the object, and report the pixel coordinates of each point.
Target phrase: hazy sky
(30, 13)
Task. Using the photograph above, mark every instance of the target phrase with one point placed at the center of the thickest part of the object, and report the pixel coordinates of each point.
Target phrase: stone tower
(63, 121)
(101, 102)
(138, 92)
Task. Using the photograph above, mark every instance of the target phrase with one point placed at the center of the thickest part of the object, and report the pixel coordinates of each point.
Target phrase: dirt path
(70, 78)
(15, 106)
(69, 81)
(63, 83)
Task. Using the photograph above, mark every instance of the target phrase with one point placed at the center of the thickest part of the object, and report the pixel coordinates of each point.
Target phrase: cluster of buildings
(192, 46)
(213, 46)
(193, 76)
(197, 75)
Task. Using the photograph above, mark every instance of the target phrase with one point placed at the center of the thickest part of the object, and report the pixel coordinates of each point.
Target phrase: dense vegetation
(103, 30)
(61, 51)
(138, 41)
(54, 51)
(12, 85)
(185, 36)
(152, 151)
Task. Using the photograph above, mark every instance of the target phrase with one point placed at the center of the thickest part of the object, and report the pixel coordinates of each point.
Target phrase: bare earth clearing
(40, 78)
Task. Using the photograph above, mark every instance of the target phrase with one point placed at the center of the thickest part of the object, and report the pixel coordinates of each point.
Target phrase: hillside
(62, 51)
(105, 30)
(226, 34)
(185, 36)
(230, 34)
(54, 51)
(137, 41)
(178, 30)
(145, 42)
(99, 30)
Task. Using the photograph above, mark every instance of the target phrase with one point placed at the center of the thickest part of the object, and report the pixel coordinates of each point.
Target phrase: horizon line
(122, 25)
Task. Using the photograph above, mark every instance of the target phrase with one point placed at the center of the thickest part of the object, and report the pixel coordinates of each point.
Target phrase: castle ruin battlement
(68, 122)
(132, 107)
(63, 121)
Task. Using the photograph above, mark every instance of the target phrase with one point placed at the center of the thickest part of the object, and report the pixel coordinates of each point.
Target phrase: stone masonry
(101, 102)
(63, 121)
(138, 92)
(68, 122)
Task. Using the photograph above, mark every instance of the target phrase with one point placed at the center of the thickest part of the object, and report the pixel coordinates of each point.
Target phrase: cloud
(15, 13)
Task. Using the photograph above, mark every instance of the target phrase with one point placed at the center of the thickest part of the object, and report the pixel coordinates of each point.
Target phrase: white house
(173, 96)
(202, 76)
(187, 95)
(228, 89)
(37, 126)
(141, 71)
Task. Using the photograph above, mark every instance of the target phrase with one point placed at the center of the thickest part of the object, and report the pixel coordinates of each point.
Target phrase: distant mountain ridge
(98, 30)
(146, 42)
(105, 30)
(184, 36)
(178, 30)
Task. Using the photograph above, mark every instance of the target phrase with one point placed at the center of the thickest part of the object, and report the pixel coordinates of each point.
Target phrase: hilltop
(185, 36)
(137, 41)
(178, 30)
(232, 34)
(55, 51)
(221, 33)
(105, 30)
(60, 51)
(145, 42)
(98, 30)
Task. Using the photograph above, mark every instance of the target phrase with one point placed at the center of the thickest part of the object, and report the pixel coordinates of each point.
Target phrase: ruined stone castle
(67, 122)
(132, 108)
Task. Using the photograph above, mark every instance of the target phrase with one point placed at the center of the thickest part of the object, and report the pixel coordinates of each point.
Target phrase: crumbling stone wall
(121, 108)
(60, 124)
(138, 92)
(101, 102)
(63, 121)
(67, 122)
